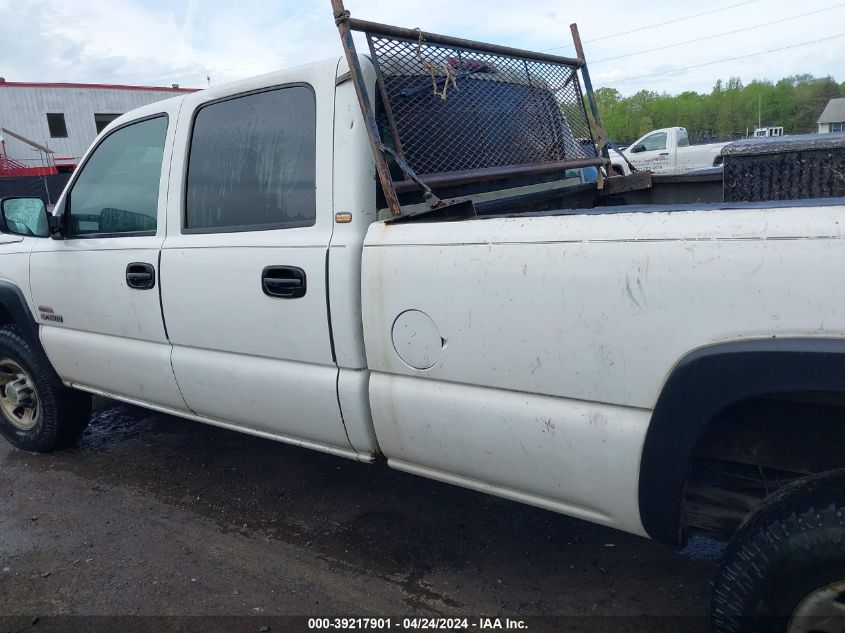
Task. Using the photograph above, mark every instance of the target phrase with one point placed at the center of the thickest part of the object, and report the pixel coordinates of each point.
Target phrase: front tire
(37, 412)
(784, 571)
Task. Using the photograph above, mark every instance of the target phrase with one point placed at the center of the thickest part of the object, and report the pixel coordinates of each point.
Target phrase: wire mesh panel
(452, 109)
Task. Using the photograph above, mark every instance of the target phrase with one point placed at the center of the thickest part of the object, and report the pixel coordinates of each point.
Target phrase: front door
(97, 289)
(244, 267)
(654, 156)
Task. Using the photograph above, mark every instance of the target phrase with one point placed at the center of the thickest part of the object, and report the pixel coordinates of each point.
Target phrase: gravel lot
(155, 516)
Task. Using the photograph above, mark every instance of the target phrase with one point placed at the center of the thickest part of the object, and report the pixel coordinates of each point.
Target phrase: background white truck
(666, 151)
(222, 256)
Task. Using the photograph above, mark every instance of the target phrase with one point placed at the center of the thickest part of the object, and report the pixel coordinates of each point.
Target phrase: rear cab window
(466, 155)
(252, 163)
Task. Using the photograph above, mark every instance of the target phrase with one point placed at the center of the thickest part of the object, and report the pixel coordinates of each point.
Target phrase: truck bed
(577, 318)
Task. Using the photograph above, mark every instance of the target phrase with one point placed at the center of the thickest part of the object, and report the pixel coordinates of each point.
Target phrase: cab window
(683, 138)
(655, 141)
(252, 163)
(116, 193)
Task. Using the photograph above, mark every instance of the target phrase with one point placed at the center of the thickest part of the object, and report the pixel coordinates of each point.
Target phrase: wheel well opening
(755, 447)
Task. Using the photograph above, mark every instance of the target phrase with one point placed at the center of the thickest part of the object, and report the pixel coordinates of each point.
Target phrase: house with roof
(45, 128)
(833, 117)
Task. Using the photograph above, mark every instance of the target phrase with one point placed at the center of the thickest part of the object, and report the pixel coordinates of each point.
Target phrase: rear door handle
(284, 282)
(664, 153)
(140, 276)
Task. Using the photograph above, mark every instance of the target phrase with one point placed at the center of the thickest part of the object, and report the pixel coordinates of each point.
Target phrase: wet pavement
(154, 515)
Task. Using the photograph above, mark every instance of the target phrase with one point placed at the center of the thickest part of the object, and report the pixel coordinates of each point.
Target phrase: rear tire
(784, 570)
(37, 412)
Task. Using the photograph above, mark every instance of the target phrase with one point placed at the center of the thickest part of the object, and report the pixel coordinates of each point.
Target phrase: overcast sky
(159, 42)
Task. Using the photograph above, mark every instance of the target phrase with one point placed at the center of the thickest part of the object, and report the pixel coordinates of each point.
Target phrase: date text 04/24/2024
(430, 624)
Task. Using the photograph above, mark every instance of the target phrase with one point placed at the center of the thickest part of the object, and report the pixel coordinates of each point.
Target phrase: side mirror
(638, 148)
(25, 216)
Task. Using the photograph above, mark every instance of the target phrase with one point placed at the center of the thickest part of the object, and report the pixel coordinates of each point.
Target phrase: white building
(46, 126)
(765, 132)
(833, 117)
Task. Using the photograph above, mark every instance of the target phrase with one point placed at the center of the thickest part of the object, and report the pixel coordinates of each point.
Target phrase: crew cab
(227, 256)
(666, 151)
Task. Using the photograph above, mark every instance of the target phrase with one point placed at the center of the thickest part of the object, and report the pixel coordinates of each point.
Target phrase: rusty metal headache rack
(456, 111)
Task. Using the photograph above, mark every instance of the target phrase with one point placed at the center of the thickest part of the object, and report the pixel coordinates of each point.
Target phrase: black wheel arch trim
(702, 385)
(12, 299)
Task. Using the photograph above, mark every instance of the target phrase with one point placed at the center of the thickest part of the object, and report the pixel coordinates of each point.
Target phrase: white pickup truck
(666, 151)
(672, 371)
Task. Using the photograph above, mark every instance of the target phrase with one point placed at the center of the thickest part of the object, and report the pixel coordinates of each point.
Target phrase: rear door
(97, 289)
(244, 263)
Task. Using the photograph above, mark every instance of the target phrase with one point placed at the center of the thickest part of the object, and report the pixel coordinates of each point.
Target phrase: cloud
(180, 41)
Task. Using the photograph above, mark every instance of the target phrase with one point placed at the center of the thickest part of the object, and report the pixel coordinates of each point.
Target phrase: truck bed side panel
(576, 317)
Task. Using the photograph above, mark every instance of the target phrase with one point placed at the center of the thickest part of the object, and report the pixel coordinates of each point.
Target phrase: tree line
(728, 112)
